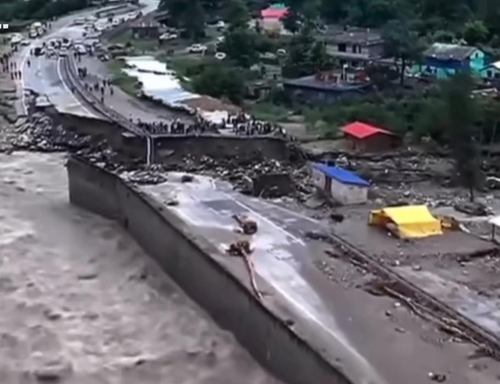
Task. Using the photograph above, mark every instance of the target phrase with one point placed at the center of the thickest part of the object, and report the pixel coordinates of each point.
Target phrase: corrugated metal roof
(362, 130)
(342, 175)
(442, 51)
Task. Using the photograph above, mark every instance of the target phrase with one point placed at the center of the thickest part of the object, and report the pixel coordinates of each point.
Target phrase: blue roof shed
(341, 175)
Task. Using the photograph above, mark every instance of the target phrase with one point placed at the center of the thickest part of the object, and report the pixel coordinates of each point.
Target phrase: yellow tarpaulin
(410, 221)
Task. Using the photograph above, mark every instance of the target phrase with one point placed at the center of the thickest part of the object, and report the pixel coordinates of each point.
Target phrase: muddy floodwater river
(80, 300)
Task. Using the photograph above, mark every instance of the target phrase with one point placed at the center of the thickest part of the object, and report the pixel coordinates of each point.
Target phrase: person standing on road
(111, 90)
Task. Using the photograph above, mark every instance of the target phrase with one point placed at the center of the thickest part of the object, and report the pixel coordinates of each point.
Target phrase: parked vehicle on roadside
(168, 36)
(63, 52)
(38, 51)
(197, 48)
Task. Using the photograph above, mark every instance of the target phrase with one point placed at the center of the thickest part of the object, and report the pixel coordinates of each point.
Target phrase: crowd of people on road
(237, 124)
(244, 124)
(101, 87)
(177, 127)
(240, 124)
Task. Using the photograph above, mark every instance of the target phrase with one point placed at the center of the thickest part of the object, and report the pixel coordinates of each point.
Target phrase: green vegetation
(136, 46)
(267, 111)
(38, 9)
(240, 46)
(459, 122)
(408, 26)
(305, 56)
(221, 81)
(119, 78)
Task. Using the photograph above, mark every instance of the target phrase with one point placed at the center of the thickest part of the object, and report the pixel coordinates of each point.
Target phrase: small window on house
(489, 73)
(497, 75)
(342, 48)
(354, 48)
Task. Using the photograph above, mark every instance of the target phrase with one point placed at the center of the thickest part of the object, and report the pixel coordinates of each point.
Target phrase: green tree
(220, 81)
(187, 14)
(240, 46)
(476, 32)
(236, 14)
(402, 43)
(442, 36)
(461, 113)
(292, 21)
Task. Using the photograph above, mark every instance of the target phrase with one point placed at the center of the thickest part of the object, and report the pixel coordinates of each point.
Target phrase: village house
(339, 185)
(491, 71)
(444, 60)
(147, 28)
(353, 46)
(271, 18)
(368, 138)
(327, 87)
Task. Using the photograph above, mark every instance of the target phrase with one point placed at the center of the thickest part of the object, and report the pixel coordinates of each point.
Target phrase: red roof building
(273, 13)
(368, 138)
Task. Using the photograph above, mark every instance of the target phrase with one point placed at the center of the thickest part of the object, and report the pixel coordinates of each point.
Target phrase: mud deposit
(81, 303)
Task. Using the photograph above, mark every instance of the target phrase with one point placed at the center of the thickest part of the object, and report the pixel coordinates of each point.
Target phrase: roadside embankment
(196, 266)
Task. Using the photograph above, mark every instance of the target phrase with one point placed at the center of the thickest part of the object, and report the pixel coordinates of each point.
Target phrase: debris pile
(241, 174)
(39, 133)
(242, 248)
(148, 175)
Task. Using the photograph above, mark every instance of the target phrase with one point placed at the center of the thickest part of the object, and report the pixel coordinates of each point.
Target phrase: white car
(24, 43)
(80, 48)
(63, 52)
(79, 21)
(169, 36)
(197, 48)
(16, 38)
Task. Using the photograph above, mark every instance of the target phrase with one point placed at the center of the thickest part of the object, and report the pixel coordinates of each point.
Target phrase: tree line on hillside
(477, 21)
(12, 10)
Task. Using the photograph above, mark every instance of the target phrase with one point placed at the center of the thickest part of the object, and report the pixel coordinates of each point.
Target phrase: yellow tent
(409, 221)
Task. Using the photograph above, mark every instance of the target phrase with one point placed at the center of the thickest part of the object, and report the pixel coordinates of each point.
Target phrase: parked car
(103, 57)
(63, 52)
(197, 48)
(169, 36)
(79, 21)
(80, 48)
(16, 38)
(38, 51)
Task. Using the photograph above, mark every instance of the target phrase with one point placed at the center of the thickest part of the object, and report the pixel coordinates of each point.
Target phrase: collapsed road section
(301, 323)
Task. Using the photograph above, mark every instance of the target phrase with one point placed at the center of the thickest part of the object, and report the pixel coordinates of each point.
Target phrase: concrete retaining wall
(216, 146)
(192, 263)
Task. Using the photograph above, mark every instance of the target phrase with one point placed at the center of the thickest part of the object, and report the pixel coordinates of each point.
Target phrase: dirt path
(80, 300)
